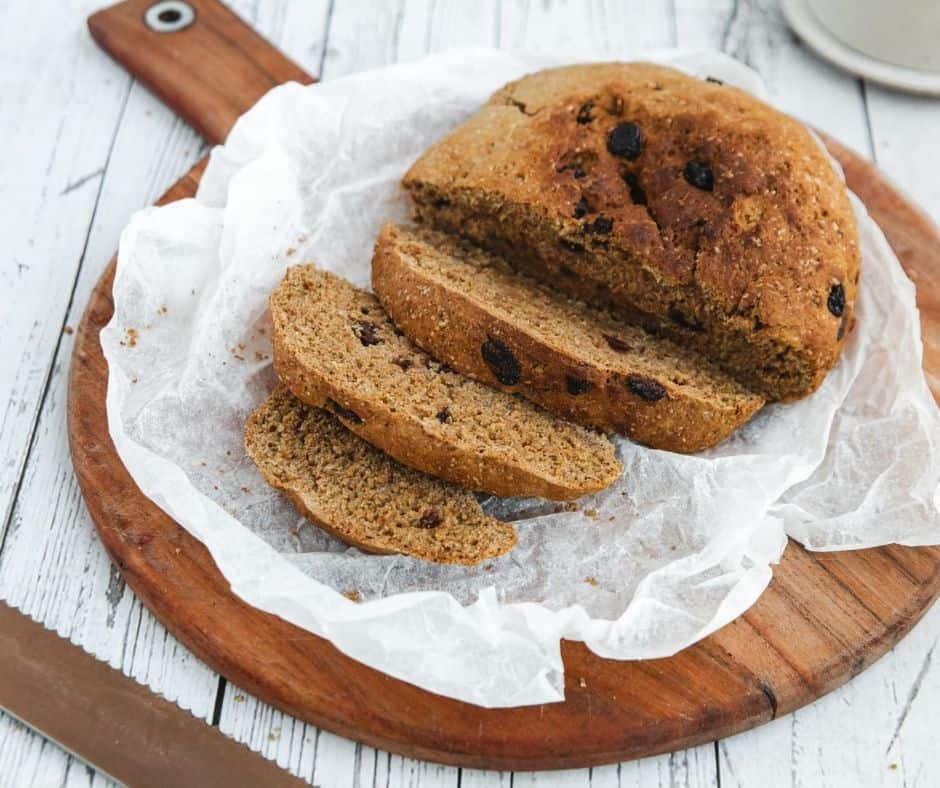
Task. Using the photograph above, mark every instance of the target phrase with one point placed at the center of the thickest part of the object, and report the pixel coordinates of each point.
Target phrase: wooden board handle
(200, 58)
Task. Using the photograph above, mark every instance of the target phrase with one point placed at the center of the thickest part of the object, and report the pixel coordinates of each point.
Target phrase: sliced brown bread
(695, 208)
(335, 347)
(361, 496)
(470, 310)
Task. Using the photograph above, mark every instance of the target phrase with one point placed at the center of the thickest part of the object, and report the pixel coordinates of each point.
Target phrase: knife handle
(197, 56)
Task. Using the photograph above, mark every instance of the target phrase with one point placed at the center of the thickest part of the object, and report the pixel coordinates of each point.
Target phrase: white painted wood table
(84, 145)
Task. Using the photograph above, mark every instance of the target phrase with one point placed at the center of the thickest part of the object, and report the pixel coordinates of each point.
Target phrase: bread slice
(454, 300)
(350, 489)
(693, 207)
(334, 347)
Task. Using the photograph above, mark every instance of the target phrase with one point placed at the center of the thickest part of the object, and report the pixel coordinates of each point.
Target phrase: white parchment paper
(677, 548)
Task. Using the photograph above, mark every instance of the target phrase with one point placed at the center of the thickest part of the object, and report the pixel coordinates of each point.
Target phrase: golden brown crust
(404, 440)
(560, 368)
(377, 402)
(756, 266)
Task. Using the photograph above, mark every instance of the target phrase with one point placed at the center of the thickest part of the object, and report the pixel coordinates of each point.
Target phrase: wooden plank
(53, 565)
(478, 778)
(27, 759)
(62, 574)
(692, 768)
(62, 102)
(359, 41)
(600, 27)
(394, 771)
(904, 136)
(289, 742)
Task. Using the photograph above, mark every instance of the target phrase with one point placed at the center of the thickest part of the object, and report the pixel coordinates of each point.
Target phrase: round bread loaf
(690, 206)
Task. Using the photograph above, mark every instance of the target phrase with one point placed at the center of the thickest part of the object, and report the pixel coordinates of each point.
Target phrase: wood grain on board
(824, 618)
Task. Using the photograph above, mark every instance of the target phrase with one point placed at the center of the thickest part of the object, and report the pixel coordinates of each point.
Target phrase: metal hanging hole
(169, 16)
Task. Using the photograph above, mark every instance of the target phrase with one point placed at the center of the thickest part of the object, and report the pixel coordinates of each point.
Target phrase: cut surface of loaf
(694, 208)
(361, 496)
(470, 310)
(335, 347)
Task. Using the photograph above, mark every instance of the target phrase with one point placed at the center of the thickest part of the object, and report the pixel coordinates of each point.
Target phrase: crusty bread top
(360, 495)
(729, 207)
(335, 346)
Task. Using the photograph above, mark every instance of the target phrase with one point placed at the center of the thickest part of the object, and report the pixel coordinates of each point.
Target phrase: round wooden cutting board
(824, 618)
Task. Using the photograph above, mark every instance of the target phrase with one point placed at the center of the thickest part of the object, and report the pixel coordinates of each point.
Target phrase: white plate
(819, 39)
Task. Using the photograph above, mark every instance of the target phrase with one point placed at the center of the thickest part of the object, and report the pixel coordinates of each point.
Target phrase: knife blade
(113, 723)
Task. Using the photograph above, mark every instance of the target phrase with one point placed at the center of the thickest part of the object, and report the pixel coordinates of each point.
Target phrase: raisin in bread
(470, 310)
(694, 208)
(348, 488)
(334, 347)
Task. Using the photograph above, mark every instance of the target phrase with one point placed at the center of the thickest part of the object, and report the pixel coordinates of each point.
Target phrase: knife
(113, 723)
